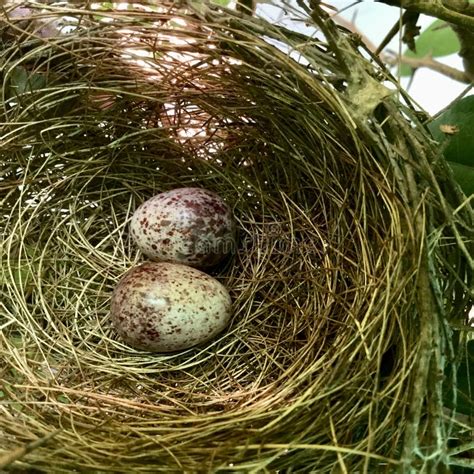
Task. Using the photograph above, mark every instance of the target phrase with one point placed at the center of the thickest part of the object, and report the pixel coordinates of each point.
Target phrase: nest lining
(326, 364)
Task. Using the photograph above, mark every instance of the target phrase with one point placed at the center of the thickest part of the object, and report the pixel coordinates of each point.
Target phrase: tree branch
(430, 63)
(393, 59)
(457, 12)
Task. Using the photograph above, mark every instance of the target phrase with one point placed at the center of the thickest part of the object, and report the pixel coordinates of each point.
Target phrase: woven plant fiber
(352, 265)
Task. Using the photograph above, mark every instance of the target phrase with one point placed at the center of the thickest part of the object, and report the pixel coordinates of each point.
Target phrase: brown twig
(429, 63)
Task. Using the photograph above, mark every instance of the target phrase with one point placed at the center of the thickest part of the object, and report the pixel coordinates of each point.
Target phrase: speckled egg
(166, 307)
(192, 226)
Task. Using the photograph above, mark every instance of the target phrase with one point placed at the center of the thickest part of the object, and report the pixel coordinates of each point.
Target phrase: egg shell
(165, 307)
(192, 226)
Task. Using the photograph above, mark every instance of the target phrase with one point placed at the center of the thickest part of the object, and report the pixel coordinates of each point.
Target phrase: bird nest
(353, 257)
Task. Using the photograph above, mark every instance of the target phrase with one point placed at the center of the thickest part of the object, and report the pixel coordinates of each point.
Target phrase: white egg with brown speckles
(192, 226)
(166, 307)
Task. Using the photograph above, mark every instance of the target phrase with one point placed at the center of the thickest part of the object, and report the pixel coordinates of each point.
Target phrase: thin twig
(429, 63)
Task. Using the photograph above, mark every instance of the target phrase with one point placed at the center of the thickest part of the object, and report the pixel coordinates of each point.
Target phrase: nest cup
(348, 271)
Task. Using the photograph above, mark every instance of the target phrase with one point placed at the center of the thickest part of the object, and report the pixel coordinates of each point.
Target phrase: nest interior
(348, 271)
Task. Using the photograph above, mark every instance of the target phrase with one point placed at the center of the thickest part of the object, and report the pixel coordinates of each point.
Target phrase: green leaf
(437, 40)
(464, 175)
(460, 145)
(63, 399)
(22, 81)
(222, 3)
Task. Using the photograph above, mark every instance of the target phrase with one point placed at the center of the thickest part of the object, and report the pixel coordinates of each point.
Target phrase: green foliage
(460, 114)
(222, 3)
(437, 40)
(23, 81)
(29, 88)
(464, 175)
(454, 129)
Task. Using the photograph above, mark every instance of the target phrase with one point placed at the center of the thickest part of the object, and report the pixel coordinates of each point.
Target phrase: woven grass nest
(353, 261)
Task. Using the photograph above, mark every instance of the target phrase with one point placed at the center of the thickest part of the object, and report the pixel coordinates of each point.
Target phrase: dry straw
(353, 258)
